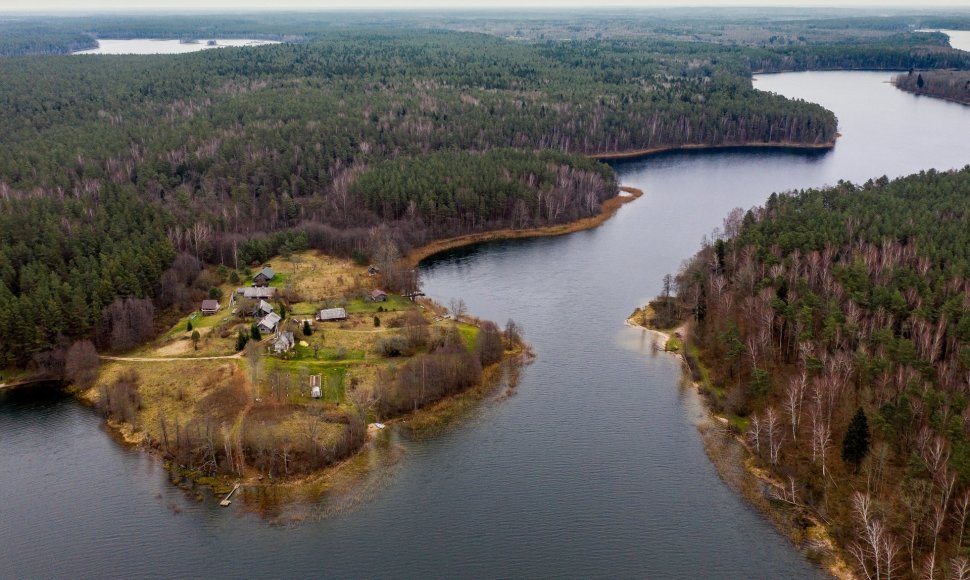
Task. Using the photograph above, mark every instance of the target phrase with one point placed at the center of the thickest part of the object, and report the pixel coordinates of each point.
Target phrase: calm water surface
(594, 468)
(159, 46)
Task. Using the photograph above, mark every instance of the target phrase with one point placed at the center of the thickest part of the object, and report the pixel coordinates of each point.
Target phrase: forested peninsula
(941, 84)
(831, 328)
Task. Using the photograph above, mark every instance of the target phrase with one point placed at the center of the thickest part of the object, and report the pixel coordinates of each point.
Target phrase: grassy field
(175, 389)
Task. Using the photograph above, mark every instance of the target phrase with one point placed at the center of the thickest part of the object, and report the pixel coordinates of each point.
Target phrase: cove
(594, 468)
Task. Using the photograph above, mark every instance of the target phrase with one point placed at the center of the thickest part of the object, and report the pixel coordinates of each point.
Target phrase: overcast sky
(75, 6)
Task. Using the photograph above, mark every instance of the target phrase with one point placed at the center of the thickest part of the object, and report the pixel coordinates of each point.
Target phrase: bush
(393, 346)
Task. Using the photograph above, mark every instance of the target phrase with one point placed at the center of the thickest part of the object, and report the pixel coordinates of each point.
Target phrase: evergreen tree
(188, 326)
(855, 446)
(307, 331)
(241, 339)
(254, 333)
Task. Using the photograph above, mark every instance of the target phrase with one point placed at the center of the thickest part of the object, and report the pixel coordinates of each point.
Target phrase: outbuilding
(378, 296)
(332, 314)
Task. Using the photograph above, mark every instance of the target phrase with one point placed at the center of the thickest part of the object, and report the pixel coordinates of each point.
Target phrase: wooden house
(283, 343)
(263, 277)
(378, 296)
(269, 323)
(210, 307)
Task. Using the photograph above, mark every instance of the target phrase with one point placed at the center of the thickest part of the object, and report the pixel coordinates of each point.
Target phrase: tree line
(835, 324)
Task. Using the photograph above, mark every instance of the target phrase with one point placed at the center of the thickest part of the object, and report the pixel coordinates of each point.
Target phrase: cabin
(283, 343)
(378, 296)
(332, 314)
(256, 293)
(315, 387)
(210, 307)
(263, 277)
(262, 308)
(269, 323)
(373, 270)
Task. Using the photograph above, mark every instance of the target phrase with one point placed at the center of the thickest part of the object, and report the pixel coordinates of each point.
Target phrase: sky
(77, 6)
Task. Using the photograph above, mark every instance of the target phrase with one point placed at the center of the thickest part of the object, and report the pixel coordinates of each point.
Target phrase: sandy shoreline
(753, 490)
(607, 210)
(614, 155)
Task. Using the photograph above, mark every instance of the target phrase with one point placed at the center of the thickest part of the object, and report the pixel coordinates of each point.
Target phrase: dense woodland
(942, 84)
(369, 139)
(833, 326)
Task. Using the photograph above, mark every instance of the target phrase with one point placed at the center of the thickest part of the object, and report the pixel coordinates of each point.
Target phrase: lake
(161, 46)
(594, 468)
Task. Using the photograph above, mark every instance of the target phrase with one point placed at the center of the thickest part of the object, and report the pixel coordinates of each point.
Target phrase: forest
(372, 138)
(832, 327)
(941, 84)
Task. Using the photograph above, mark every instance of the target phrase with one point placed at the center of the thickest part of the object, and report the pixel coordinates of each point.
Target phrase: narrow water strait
(594, 468)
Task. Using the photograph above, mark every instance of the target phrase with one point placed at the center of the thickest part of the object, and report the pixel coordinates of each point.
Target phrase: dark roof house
(378, 296)
(210, 306)
(263, 277)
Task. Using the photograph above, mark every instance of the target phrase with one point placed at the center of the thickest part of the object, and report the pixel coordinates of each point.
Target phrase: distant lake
(158, 46)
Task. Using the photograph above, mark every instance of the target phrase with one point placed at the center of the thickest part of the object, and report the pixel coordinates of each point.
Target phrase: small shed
(269, 323)
(378, 296)
(263, 277)
(373, 270)
(332, 314)
(315, 390)
(283, 343)
(210, 306)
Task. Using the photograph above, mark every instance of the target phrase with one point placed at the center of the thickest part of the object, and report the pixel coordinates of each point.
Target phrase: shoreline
(314, 483)
(607, 210)
(634, 153)
(749, 480)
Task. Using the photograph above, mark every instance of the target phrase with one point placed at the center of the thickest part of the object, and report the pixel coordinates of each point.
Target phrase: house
(256, 293)
(269, 323)
(378, 296)
(373, 270)
(283, 343)
(210, 306)
(263, 277)
(315, 390)
(332, 314)
(262, 309)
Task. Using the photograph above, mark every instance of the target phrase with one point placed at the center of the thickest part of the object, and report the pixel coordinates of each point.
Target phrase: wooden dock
(226, 502)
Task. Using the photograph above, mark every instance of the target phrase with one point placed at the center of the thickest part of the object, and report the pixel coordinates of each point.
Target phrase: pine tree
(307, 331)
(241, 339)
(188, 326)
(855, 446)
(254, 333)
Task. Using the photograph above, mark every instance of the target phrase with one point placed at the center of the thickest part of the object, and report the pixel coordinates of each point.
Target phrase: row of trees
(827, 312)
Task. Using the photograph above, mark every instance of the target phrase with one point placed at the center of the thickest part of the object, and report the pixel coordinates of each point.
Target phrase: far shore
(615, 155)
(607, 210)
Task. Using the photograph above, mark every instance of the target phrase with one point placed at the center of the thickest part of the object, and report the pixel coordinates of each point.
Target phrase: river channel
(595, 466)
